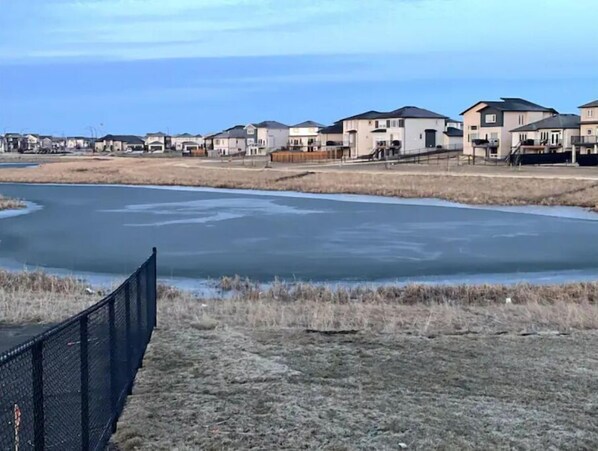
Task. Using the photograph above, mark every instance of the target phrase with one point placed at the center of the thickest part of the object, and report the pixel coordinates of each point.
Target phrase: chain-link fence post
(37, 356)
(83, 351)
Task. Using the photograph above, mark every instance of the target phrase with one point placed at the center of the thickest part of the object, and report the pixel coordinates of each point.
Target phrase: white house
(304, 136)
(157, 142)
(331, 138)
(186, 142)
(488, 125)
(265, 137)
(78, 142)
(405, 130)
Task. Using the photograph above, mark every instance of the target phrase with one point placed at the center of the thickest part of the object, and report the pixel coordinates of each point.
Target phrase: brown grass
(10, 204)
(504, 186)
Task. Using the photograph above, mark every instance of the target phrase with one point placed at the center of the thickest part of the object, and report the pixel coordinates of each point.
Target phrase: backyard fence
(66, 388)
(305, 157)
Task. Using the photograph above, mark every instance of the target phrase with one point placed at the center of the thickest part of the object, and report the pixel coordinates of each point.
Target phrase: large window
(491, 118)
(521, 119)
(590, 113)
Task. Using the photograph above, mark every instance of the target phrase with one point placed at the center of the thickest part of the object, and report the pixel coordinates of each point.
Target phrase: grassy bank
(504, 186)
(10, 204)
(427, 367)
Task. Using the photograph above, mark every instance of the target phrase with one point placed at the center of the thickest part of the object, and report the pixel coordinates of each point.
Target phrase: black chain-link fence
(66, 388)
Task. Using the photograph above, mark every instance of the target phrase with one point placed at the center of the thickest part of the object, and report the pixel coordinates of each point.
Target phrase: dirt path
(237, 389)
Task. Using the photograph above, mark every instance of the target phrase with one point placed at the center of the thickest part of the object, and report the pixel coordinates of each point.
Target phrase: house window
(494, 136)
(376, 124)
(522, 137)
(589, 131)
(473, 127)
(521, 119)
(250, 131)
(401, 123)
(491, 118)
(590, 113)
(388, 124)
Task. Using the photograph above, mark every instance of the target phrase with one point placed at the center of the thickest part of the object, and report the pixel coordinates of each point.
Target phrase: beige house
(266, 136)
(119, 143)
(331, 138)
(587, 140)
(488, 125)
(553, 134)
(304, 136)
(406, 130)
(232, 141)
(78, 142)
(186, 142)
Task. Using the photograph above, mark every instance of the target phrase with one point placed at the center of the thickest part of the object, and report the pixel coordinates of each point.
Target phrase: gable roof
(238, 131)
(337, 129)
(406, 112)
(593, 104)
(557, 122)
(160, 134)
(454, 132)
(272, 125)
(512, 104)
(308, 124)
(129, 139)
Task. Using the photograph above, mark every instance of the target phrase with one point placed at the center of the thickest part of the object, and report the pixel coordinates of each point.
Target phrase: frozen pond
(207, 233)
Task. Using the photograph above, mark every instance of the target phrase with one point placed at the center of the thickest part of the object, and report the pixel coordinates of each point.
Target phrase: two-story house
(409, 129)
(232, 141)
(304, 136)
(488, 125)
(15, 142)
(186, 142)
(553, 134)
(587, 140)
(119, 143)
(78, 142)
(266, 136)
(158, 142)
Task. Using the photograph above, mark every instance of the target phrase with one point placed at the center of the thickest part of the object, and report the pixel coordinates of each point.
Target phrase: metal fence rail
(66, 388)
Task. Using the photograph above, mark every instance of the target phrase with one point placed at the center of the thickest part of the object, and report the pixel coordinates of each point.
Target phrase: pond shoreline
(475, 186)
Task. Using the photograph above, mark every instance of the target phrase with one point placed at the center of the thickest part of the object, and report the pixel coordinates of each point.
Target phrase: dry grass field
(420, 367)
(475, 185)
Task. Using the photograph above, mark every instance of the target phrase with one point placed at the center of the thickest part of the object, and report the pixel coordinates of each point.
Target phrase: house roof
(337, 128)
(593, 104)
(185, 135)
(238, 131)
(557, 122)
(129, 139)
(308, 124)
(406, 112)
(271, 124)
(512, 104)
(454, 132)
(160, 134)
(457, 121)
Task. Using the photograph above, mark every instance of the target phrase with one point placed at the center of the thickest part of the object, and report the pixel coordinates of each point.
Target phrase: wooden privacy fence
(305, 157)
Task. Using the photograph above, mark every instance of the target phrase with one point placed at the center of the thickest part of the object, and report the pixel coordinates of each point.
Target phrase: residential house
(78, 142)
(15, 142)
(2, 144)
(119, 143)
(186, 142)
(232, 141)
(409, 129)
(208, 143)
(266, 136)
(158, 142)
(33, 142)
(555, 133)
(46, 143)
(453, 137)
(304, 136)
(331, 138)
(488, 125)
(587, 140)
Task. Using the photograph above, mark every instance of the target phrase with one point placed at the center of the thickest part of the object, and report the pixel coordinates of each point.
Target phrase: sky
(91, 67)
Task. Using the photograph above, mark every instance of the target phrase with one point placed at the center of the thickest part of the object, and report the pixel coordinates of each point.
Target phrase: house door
(430, 138)
(555, 138)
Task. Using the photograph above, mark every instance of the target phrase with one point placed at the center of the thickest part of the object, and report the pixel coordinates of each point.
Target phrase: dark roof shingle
(593, 104)
(557, 122)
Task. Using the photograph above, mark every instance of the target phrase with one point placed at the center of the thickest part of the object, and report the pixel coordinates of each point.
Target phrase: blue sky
(203, 65)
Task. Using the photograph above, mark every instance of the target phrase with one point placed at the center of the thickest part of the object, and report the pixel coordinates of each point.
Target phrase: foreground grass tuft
(10, 204)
